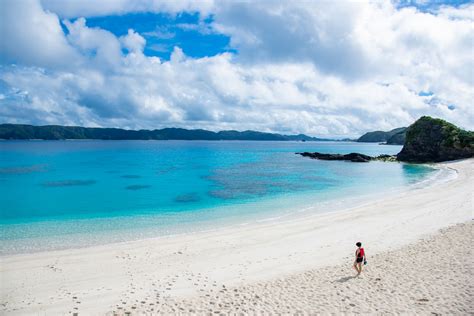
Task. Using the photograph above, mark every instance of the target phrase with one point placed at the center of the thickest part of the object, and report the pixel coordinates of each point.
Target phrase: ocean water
(62, 194)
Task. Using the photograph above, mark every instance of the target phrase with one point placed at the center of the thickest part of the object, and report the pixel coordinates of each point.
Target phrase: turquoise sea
(62, 194)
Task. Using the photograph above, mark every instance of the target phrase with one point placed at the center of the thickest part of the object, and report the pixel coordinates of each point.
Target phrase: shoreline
(306, 207)
(102, 277)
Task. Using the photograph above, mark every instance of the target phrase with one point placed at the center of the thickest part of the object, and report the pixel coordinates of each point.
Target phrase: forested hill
(57, 132)
(435, 140)
(394, 137)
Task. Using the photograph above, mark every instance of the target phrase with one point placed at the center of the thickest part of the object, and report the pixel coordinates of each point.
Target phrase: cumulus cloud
(333, 70)
(32, 36)
(321, 32)
(102, 47)
(82, 8)
(352, 40)
(133, 41)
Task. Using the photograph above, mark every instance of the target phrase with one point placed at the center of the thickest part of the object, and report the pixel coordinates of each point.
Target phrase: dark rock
(354, 157)
(435, 140)
(390, 158)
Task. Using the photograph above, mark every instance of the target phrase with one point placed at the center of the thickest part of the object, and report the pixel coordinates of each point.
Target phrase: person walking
(359, 258)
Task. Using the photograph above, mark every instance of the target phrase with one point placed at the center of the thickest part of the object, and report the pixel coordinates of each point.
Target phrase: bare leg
(355, 267)
(359, 268)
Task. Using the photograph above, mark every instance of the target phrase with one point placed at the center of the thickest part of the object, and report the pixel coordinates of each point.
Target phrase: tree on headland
(434, 140)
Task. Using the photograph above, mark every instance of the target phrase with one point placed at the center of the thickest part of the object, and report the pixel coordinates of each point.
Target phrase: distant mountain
(398, 138)
(57, 132)
(433, 140)
(395, 137)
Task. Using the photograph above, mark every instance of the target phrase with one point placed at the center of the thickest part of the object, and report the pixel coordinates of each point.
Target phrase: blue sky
(322, 68)
(430, 5)
(164, 31)
(194, 34)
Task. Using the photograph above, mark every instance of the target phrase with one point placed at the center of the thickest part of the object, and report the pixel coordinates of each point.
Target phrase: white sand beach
(431, 276)
(300, 265)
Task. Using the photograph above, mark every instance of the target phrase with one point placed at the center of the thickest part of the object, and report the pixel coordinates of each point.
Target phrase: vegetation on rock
(434, 140)
(397, 139)
(394, 137)
(56, 132)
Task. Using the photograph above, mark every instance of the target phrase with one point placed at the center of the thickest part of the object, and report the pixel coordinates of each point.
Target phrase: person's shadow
(345, 279)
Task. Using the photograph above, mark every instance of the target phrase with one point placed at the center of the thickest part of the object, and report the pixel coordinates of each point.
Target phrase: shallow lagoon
(59, 194)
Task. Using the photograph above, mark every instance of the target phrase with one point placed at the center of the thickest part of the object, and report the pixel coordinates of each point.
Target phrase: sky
(323, 68)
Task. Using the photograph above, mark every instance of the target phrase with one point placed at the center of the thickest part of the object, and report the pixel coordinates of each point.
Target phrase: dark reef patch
(166, 170)
(112, 171)
(223, 194)
(68, 183)
(319, 179)
(240, 190)
(187, 198)
(136, 187)
(130, 176)
(287, 185)
(23, 169)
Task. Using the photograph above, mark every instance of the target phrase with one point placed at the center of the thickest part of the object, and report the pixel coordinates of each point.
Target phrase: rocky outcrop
(434, 140)
(387, 158)
(354, 157)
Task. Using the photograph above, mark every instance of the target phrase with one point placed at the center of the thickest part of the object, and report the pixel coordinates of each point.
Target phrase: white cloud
(31, 36)
(89, 8)
(338, 69)
(353, 40)
(103, 46)
(133, 41)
